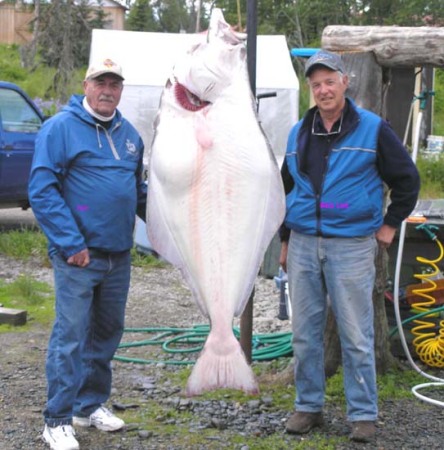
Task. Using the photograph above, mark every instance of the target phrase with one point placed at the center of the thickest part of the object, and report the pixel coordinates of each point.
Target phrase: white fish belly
(218, 198)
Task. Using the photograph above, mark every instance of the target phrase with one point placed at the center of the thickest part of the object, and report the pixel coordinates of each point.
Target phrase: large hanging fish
(215, 194)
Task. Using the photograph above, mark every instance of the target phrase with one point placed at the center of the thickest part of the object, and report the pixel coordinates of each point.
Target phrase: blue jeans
(90, 310)
(341, 271)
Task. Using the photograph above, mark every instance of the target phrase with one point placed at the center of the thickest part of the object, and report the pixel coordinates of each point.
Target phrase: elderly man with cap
(338, 158)
(85, 188)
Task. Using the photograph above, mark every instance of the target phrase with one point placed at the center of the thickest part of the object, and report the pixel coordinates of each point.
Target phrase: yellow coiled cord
(428, 344)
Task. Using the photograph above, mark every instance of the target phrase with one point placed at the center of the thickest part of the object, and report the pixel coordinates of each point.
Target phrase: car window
(16, 114)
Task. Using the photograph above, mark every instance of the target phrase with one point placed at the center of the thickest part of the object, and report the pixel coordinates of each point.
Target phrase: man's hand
(385, 235)
(80, 259)
(283, 256)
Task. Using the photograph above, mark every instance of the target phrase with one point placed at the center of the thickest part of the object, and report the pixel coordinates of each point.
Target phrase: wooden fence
(15, 24)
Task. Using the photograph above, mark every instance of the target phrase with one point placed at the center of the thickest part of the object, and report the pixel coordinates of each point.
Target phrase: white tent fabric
(147, 60)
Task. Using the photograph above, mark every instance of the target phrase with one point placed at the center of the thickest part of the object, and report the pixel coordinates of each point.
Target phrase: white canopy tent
(147, 60)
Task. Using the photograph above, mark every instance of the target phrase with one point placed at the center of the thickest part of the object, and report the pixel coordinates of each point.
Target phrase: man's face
(103, 93)
(328, 88)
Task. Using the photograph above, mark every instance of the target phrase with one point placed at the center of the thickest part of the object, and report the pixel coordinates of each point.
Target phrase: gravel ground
(160, 298)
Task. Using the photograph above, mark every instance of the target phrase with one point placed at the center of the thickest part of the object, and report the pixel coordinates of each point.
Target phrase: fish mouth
(187, 99)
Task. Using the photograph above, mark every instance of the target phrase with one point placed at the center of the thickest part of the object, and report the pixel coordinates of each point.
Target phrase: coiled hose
(429, 345)
(182, 341)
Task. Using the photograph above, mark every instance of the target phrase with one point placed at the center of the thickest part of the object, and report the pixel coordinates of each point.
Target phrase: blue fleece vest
(351, 199)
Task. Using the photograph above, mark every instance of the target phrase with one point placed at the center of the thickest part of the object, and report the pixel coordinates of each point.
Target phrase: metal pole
(246, 322)
(246, 329)
(252, 42)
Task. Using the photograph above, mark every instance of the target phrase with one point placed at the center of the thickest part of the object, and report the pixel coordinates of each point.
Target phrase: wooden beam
(393, 46)
(365, 81)
(12, 316)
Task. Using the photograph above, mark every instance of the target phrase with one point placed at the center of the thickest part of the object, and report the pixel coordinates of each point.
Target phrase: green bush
(438, 103)
(431, 171)
(12, 74)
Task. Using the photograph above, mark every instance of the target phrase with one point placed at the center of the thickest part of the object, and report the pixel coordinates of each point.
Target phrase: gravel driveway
(160, 298)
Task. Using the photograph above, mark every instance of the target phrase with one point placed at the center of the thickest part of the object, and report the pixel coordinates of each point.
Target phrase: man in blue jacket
(85, 188)
(338, 157)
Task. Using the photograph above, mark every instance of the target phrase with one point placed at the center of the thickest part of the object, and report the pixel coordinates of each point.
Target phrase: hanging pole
(246, 322)
(252, 42)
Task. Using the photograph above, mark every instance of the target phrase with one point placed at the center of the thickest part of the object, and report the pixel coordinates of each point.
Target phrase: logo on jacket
(130, 147)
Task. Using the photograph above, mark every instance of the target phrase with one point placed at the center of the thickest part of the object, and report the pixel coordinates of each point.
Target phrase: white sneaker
(102, 418)
(61, 437)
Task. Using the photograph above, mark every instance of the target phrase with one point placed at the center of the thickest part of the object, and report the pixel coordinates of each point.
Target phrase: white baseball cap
(102, 67)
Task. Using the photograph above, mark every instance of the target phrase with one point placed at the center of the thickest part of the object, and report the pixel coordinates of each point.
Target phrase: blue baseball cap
(324, 58)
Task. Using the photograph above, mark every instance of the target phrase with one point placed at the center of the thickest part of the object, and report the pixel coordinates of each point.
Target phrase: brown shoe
(363, 431)
(302, 422)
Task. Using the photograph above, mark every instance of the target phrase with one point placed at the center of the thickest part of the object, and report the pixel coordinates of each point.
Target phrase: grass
(393, 385)
(431, 171)
(281, 442)
(146, 261)
(23, 244)
(27, 243)
(25, 292)
(177, 423)
(28, 294)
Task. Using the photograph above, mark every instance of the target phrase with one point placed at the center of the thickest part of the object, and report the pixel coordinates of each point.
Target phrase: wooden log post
(401, 48)
(392, 46)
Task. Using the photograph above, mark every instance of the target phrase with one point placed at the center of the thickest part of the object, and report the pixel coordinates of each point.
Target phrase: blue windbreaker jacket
(86, 181)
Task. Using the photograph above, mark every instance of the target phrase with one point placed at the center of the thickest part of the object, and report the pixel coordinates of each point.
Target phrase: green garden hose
(416, 316)
(184, 341)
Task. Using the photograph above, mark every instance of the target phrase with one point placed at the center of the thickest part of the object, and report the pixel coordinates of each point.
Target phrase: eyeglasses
(330, 133)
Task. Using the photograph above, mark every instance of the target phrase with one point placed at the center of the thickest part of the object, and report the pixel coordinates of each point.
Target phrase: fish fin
(221, 365)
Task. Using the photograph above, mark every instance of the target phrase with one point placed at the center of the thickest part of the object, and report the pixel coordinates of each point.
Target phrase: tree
(55, 42)
(173, 16)
(65, 37)
(141, 17)
(402, 12)
(169, 16)
(29, 50)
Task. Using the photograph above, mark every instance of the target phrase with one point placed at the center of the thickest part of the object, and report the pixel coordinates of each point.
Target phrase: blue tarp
(303, 52)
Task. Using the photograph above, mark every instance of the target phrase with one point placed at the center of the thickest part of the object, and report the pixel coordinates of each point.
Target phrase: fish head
(209, 67)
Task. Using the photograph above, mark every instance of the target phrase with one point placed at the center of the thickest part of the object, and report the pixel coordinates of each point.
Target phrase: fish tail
(221, 365)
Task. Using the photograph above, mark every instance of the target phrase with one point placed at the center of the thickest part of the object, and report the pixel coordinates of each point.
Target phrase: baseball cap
(102, 67)
(324, 58)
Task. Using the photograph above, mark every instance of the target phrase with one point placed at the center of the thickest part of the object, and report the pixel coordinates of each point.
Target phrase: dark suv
(20, 120)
